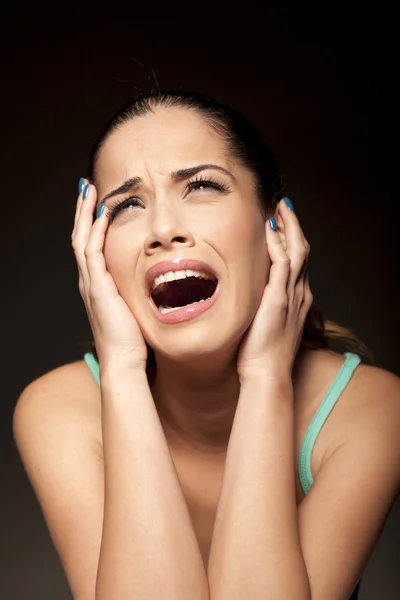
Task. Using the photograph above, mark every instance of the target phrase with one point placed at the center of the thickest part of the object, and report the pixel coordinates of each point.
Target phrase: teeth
(166, 309)
(159, 281)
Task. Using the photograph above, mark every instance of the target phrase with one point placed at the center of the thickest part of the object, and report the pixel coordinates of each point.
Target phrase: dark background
(311, 76)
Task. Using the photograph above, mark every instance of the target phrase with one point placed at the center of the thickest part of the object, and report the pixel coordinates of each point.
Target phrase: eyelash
(119, 205)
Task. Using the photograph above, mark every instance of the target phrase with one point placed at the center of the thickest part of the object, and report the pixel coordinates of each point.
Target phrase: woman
(194, 464)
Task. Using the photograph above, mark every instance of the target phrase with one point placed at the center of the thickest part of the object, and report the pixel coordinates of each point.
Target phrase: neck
(197, 402)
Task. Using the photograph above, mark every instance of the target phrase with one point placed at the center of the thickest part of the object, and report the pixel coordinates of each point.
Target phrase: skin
(196, 397)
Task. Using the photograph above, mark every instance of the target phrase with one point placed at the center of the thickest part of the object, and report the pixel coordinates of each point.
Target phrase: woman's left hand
(270, 345)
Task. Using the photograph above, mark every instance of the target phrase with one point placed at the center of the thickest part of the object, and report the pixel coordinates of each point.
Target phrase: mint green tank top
(323, 412)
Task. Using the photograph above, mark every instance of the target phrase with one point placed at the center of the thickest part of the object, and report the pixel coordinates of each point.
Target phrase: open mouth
(177, 289)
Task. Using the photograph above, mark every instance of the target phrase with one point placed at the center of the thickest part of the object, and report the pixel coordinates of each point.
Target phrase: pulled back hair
(244, 142)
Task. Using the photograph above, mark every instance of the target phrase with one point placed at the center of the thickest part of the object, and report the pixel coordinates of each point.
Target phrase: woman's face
(210, 216)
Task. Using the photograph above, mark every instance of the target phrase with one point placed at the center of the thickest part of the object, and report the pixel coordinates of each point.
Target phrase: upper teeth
(173, 275)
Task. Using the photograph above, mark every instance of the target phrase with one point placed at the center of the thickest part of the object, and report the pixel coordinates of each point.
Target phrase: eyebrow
(180, 175)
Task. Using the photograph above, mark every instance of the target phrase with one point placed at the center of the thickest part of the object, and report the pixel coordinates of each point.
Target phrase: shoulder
(57, 429)
(359, 475)
(369, 386)
(69, 380)
(368, 405)
(66, 395)
(368, 410)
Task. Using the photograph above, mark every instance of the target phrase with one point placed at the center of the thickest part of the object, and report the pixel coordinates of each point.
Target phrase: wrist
(116, 373)
(277, 382)
(267, 374)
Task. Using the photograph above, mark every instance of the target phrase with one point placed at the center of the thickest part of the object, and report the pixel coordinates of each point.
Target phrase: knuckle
(285, 261)
(76, 243)
(88, 250)
(281, 302)
(94, 295)
(303, 252)
(308, 296)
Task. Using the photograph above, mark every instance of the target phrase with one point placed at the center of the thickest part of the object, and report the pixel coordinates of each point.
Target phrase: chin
(197, 345)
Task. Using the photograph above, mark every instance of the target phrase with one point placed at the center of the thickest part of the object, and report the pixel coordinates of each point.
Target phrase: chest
(201, 480)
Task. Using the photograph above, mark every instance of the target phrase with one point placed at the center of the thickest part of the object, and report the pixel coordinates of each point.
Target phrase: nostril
(179, 240)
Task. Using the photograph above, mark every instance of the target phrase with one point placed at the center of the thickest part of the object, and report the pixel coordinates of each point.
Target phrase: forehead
(163, 141)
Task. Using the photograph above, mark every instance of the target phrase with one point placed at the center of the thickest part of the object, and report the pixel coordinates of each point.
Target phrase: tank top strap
(93, 365)
(323, 412)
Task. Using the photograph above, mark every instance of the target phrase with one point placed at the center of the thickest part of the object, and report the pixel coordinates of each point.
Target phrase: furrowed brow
(180, 175)
(125, 187)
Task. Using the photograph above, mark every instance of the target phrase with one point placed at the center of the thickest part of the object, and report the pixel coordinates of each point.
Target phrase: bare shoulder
(57, 427)
(370, 386)
(74, 376)
(369, 405)
(358, 478)
(67, 390)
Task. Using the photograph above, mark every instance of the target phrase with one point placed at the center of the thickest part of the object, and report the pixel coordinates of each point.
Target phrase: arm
(256, 541)
(263, 546)
(148, 543)
(141, 532)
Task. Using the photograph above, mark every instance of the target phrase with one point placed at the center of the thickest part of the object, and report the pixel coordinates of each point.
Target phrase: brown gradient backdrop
(311, 77)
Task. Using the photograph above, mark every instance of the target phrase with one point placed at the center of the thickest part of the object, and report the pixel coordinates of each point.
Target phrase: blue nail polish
(289, 203)
(100, 211)
(272, 223)
(86, 191)
(81, 185)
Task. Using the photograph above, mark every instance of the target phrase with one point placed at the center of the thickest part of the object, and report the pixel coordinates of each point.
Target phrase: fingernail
(100, 211)
(272, 223)
(86, 191)
(81, 185)
(288, 203)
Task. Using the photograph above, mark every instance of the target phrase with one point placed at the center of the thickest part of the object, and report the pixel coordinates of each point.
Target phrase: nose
(167, 231)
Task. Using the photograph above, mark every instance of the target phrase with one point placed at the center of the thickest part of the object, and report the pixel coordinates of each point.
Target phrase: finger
(281, 229)
(296, 245)
(83, 229)
(280, 264)
(308, 298)
(81, 186)
(93, 251)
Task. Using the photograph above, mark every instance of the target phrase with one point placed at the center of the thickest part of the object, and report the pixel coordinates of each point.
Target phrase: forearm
(148, 544)
(256, 551)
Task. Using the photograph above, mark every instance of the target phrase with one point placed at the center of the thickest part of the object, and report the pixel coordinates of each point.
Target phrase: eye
(123, 206)
(203, 183)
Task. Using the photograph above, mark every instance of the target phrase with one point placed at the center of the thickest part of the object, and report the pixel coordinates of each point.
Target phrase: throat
(198, 418)
(196, 442)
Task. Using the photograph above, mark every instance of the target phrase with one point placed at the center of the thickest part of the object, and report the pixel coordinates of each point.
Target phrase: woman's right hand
(117, 336)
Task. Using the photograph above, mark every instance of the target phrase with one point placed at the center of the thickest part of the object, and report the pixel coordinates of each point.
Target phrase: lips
(190, 311)
(177, 264)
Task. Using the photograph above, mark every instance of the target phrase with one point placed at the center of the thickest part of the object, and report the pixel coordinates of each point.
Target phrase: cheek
(243, 239)
(119, 255)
